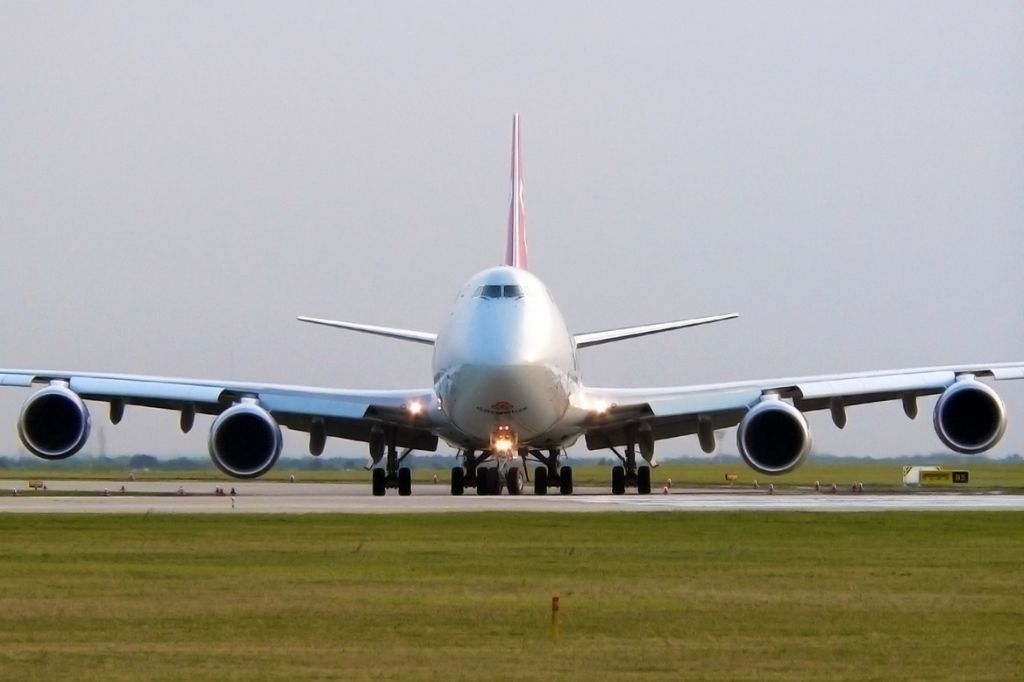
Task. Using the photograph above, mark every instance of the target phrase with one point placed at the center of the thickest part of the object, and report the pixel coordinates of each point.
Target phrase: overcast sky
(179, 180)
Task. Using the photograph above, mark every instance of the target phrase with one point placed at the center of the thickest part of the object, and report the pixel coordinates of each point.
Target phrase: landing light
(415, 407)
(504, 441)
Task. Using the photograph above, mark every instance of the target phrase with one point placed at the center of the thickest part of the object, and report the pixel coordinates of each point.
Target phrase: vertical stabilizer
(515, 251)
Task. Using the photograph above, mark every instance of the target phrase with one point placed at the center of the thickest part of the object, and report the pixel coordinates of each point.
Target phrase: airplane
(506, 391)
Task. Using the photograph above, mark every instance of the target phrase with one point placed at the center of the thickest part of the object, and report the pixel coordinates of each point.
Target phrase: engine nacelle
(54, 422)
(773, 437)
(969, 417)
(245, 441)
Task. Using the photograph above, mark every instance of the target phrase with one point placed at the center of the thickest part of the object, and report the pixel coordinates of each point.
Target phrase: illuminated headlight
(504, 441)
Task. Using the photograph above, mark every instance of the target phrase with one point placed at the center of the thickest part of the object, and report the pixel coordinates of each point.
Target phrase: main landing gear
(469, 475)
(392, 474)
(489, 480)
(550, 475)
(628, 474)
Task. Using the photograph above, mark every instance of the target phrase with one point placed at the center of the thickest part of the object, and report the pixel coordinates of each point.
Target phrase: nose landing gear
(514, 482)
(505, 473)
(510, 474)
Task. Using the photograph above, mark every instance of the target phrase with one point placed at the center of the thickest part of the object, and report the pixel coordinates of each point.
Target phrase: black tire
(378, 482)
(618, 480)
(483, 481)
(540, 481)
(643, 481)
(405, 481)
(458, 480)
(513, 481)
(565, 480)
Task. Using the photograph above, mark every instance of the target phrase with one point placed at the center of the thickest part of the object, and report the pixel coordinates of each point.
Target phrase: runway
(197, 497)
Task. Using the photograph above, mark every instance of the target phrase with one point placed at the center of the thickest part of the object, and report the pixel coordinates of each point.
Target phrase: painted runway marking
(354, 498)
(892, 502)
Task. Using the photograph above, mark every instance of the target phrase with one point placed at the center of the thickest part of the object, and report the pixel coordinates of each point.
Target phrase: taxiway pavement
(197, 497)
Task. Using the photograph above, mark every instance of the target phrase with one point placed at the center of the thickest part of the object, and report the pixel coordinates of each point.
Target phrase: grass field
(701, 473)
(467, 596)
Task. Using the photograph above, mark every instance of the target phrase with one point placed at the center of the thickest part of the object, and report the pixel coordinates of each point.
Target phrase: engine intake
(245, 441)
(970, 417)
(773, 437)
(54, 423)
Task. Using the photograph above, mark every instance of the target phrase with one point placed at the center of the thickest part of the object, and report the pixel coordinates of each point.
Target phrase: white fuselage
(504, 362)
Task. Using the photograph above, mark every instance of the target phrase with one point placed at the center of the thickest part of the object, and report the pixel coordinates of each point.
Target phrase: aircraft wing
(350, 414)
(389, 332)
(701, 409)
(622, 333)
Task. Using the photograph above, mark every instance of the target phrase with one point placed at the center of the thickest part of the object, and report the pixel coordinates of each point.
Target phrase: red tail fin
(515, 251)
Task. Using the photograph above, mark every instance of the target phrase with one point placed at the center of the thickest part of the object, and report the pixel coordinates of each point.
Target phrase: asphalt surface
(140, 497)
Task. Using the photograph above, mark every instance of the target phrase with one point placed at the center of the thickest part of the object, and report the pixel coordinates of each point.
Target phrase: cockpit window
(489, 291)
(499, 291)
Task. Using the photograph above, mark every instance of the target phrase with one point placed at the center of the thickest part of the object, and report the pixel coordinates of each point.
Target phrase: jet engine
(773, 437)
(969, 417)
(245, 441)
(54, 422)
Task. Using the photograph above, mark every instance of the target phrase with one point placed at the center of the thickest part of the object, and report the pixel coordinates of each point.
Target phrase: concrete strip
(304, 498)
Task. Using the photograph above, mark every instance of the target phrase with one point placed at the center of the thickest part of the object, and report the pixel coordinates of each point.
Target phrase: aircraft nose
(496, 353)
(510, 340)
(529, 398)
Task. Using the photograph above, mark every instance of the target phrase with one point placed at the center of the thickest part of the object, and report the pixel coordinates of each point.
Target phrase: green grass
(467, 596)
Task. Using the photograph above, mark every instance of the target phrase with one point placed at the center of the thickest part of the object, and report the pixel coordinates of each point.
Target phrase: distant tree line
(143, 462)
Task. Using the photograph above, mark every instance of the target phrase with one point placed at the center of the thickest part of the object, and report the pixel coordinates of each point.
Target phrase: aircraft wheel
(643, 481)
(514, 480)
(378, 482)
(458, 480)
(618, 480)
(405, 481)
(565, 480)
(540, 481)
(483, 481)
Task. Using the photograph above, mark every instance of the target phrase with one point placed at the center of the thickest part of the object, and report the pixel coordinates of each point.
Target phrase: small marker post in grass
(554, 618)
